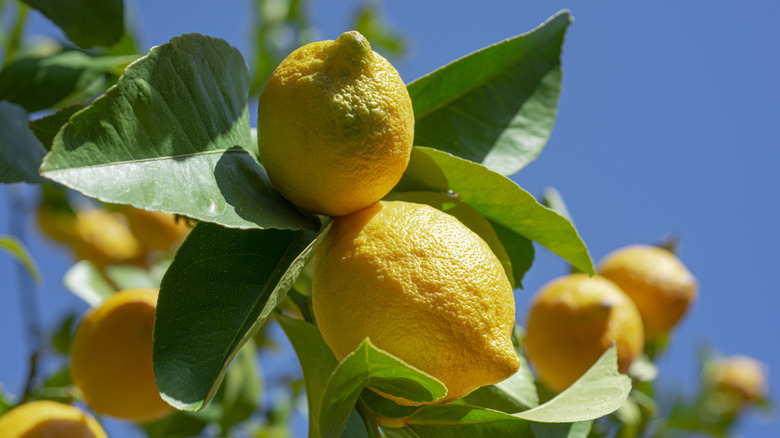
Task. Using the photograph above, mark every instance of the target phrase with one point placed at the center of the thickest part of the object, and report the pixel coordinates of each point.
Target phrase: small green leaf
(20, 152)
(242, 387)
(317, 363)
(495, 106)
(173, 135)
(39, 82)
(464, 421)
(371, 23)
(85, 281)
(369, 366)
(17, 250)
(129, 277)
(63, 337)
(600, 391)
(87, 23)
(508, 207)
(515, 394)
(553, 200)
(220, 289)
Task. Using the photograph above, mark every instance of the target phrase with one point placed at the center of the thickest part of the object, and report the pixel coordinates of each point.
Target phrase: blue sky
(667, 124)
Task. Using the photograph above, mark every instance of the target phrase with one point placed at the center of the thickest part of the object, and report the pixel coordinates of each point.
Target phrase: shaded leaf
(62, 338)
(242, 387)
(561, 430)
(87, 23)
(85, 281)
(515, 394)
(368, 366)
(220, 289)
(46, 128)
(455, 421)
(600, 391)
(173, 135)
(20, 151)
(39, 82)
(508, 207)
(17, 250)
(495, 106)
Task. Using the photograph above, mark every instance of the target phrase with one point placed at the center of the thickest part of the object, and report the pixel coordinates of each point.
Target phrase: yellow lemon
(421, 286)
(48, 419)
(740, 377)
(104, 238)
(573, 320)
(656, 280)
(111, 357)
(335, 126)
(156, 230)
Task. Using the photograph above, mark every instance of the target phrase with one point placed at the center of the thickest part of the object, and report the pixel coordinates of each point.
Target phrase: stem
(369, 419)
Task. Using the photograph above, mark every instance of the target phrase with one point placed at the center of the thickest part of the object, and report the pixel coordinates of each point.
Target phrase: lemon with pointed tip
(573, 320)
(111, 357)
(656, 280)
(421, 286)
(335, 126)
(48, 419)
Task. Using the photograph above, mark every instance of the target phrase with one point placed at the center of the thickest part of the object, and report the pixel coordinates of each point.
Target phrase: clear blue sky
(667, 124)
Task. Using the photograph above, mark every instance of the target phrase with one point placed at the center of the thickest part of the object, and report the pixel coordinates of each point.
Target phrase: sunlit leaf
(17, 250)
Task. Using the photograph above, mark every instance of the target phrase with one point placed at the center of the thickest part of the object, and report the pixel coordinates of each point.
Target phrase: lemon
(335, 126)
(656, 280)
(741, 378)
(48, 419)
(111, 357)
(104, 238)
(156, 230)
(421, 286)
(573, 320)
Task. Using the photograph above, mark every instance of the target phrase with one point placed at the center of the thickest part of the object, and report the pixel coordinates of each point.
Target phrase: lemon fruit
(741, 378)
(111, 357)
(44, 418)
(156, 230)
(573, 320)
(104, 238)
(335, 126)
(421, 286)
(656, 280)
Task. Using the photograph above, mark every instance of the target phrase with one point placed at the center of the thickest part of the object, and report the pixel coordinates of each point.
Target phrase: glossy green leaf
(87, 23)
(496, 106)
(20, 152)
(369, 366)
(38, 82)
(46, 128)
(17, 250)
(464, 421)
(173, 135)
(85, 281)
(317, 363)
(508, 207)
(220, 289)
(600, 391)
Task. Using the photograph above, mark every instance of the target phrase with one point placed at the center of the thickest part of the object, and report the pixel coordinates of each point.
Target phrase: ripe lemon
(335, 126)
(156, 230)
(421, 286)
(44, 418)
(741, 378)
(111, 357)
(104, 238)
(573, 320)
(656, 280)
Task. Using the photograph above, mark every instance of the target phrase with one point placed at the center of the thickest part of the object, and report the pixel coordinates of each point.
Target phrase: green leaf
(317, 363)
(87, 23)
(17, 250)
(39, 82)
(173, 135)
(600, 391)
(85, 281)
(20, 151)
(371, 23)
(464, 421)
(369, 366)
(219, 290)
(62, 338)
(129, 277)
(46, 128)
(561, 430)
(495, 106)
(242, 387)
(553, 200)
(509, 208)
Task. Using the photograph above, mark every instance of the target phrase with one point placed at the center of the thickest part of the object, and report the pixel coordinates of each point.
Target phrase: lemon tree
(373, 220)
